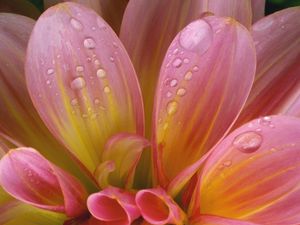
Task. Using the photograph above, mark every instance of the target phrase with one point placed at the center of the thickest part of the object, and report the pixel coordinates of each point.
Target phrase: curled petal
(124, 150)
(208, 62)
(113, 205)
(277, 83)
(41, 183)
(158, 208)
(253, 174)
(77, 65)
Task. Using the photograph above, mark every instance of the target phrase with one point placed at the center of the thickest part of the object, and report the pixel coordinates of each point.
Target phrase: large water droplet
(101, 73)
(172, 107)
(76, 24)
(78, 83)
(248, 142)
(265, 121)
(196, 37)
(89, 43)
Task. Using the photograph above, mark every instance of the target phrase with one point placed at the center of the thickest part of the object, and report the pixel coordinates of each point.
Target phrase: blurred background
(33, 8)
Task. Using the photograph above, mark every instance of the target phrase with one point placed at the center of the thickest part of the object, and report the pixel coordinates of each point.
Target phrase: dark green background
(271, 5)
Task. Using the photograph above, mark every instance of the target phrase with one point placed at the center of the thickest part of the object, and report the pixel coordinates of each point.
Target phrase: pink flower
(206, 132)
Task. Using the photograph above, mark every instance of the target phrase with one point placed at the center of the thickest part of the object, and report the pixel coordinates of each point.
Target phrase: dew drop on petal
(101, 73)
(79, 69)
(188, 75)
(78, 83)
(106, 89)
(181, 92)
(195, 68)
(186, 60)
(112, 59)
(265, 121)
(50, 71)
(177, 62)
(227, 163)
(173, 83)
(172, 107)
(74, 102)
(248, 142)
(76, 24)
(196, 37)
(169, 94)
(89, 43)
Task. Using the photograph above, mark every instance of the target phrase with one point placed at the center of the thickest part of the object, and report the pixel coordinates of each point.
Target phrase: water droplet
(188, 75)
(89, 43)
(177, 62)
(196, 37)
(97, 62)
(93, 28)
(106, 89)
(48, 82)
(96, 101)
(112, 59)
(50, 71)
(169, 94)
(58, 56)
(78, 83)
(101, 73)
(173, 83)
(175, 51)
(265, 121)
(195, 68)
(263, 24)
(79, 69)
(227, 163)
(172, 107)
(76, 24)
(74, 102)
(186, 60)
(88, 59)
(181, 92)
(248, 142)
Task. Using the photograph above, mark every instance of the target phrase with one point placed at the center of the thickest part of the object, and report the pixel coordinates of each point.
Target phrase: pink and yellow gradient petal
(253, 174)
(208, 62)
(81, 81)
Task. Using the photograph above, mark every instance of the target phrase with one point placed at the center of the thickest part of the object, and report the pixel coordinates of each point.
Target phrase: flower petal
(258, 9)
(113, 205)
(156, 23)
(79, 67)
(21, 7)
(253, 174)
(18, 117)
(239, 10)
(124, 150)
(214, 220)
(277, 84)
(208, 62)
(41, 183)
(158, 208)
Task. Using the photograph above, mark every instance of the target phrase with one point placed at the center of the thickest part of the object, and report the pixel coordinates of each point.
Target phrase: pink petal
(124, 151)
(147, 29)
(41, 183)
(208, 62)
(18, 117)
(258, 9)
(240, 10)
(21, 7)
(158, 208)
(253, 174)
(214, 220)
(114, 206)
(77, 65)
(277, 84)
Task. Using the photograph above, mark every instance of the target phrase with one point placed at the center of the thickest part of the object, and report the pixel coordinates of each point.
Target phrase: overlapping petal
(277, 83)
(258, 9)
(113, 206)
(253, 174)
(29, 177)
(208, 62)
(82, 81)
(18, 118)
(158, 208)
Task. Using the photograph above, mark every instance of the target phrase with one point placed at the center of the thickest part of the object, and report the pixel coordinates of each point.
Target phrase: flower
(212, 162)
